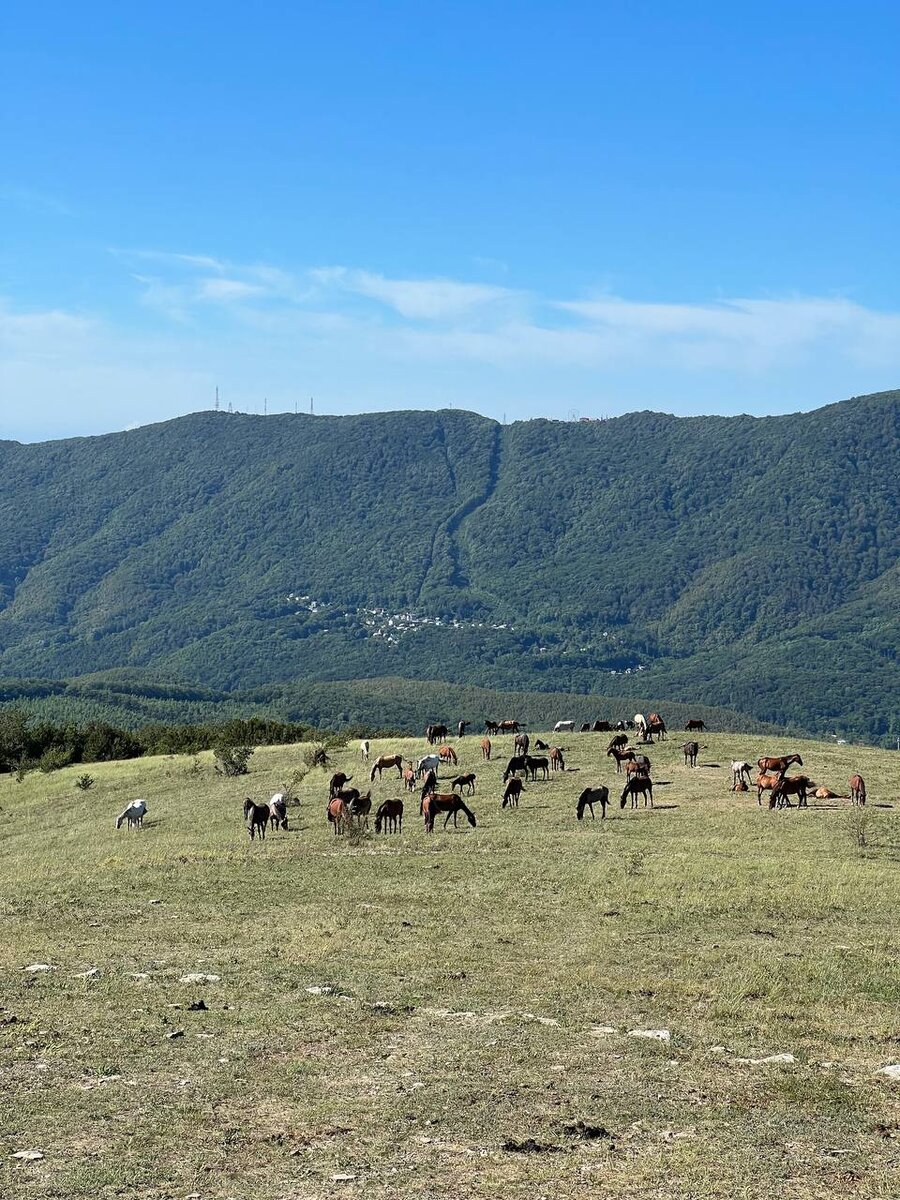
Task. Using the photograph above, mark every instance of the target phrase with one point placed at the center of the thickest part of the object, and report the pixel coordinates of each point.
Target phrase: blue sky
(526, 209)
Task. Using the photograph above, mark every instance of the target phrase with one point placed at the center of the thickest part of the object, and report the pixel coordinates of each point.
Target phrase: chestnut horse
(450, 804)
(790, 785)
(509, 727)
(448, 755)
(768, 765)
(765, 783)
(384, 762)
(409, 777)
(486, 749)
(557, 762)
(338, 814)
(857, 789)
(620, 756)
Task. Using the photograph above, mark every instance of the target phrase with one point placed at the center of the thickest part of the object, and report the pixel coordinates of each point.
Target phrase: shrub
(84, 782)
(54, 759)
(232, 760)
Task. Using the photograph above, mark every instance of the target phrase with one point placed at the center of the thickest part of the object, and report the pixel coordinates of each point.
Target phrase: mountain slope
(739, 561)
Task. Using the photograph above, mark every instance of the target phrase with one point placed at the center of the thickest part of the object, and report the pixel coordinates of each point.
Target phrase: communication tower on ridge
(217, 399)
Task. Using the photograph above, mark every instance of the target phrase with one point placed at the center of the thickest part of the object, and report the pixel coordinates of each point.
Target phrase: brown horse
(516, 763)
(389, 817)
(428, 787)
(857, 790)
(656, 726)
(448, 755)
(601, 727)
(620, 756)
(338, 813)
(409, 777)
(694, 725)
(435, 733)
(509, 727)
(557, 762)
(638, 766)
(616, 743)
(533, 765)
(521, 743)
(257, 818)
(464, 781)
(512, 792)
(768, 765)
(690, 750)
(637, 785)
(360, 809)
(450, 804)
(384, 762)
(591, 796)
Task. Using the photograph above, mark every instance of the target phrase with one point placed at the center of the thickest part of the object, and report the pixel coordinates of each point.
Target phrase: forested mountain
(739, 561)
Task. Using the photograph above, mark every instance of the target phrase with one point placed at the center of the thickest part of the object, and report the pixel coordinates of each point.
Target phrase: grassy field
(451, 1015)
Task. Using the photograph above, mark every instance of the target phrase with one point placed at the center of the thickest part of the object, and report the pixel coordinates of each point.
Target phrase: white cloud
(416, 299)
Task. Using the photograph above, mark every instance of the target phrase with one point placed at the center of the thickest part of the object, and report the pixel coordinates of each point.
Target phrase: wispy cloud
(33, 200)
(415, 299)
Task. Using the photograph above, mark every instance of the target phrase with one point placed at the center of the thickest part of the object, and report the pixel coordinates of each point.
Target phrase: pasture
(452, 1015)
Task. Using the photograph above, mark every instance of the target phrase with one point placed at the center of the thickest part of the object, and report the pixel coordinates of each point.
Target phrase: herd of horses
(348, 808)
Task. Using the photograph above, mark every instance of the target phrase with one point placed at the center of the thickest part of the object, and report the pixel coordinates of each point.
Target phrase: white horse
(564, 727)
(364, 749)
(640, 725)
(430, 762)
(278, 812)
(133, 814)
(738, 771)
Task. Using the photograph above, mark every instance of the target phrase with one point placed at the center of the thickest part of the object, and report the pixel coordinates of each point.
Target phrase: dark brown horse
(534, 765)
(257, 818)
(616, 743)
(601, 727)
(690, 751)
(790, 785)
(384, 763)
(515, 764)
(656, 725)
(491, 727)
(360, 809)
(337, 782)
(521, 743)
(637, 785)
(451, 804)
(464, 781)
(389, 817)
(435, 733)
(509, 727)
(620, 756)
(857, 790)
(512, 792)
(591, 796)
(694, 725)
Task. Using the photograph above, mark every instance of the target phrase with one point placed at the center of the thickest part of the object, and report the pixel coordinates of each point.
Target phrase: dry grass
(472, 974)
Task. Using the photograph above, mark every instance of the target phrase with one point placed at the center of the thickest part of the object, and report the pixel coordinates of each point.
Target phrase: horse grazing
(591, 796)
(521, 743)
(639, 724)
(616, 743)
(540, 745)
(435, 733)
(348, 795)
(790, 785)
(533, 765)
(360, 809)
(690, 750)
(639, 765)
(620, 756)
(133, 814)
(557, 762)
(364, 749)
(464, 781)
(602, 727)
(448, 755)
(337, 782)
(429, 785)
(857, 790)
(389, 817)
(512, 792)
(278, 818)
(768, 765)
(257, 818)
(491, 727)
(740, 773)
(515, 764)
(486, 749)
(430, 762)
(564, 727)
(694, 725)
(450, 804)
(409, 777)
(384, 762)
(637, 785)
(338, 813)
(765, 783)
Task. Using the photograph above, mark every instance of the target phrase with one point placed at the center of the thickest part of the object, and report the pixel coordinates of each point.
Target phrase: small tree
(289, 789)
(84, 783)
(232, 760)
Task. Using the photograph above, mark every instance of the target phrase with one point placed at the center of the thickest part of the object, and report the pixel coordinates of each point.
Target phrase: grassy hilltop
(740, 562)
(449, 1016)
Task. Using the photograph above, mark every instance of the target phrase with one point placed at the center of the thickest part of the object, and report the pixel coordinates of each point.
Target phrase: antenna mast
(217, 399)
(310, 406)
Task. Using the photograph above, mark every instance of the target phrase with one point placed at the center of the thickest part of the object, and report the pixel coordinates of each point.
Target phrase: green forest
(221, 560)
